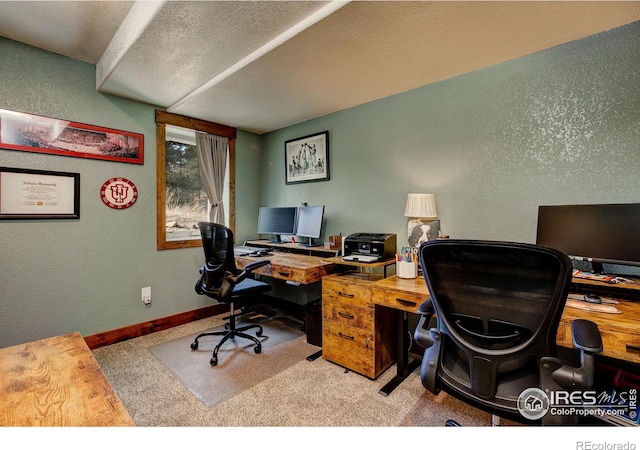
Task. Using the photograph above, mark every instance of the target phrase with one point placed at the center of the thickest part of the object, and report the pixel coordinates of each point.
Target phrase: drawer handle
(345, 315)
(284, 274)
(344, 336)
(633, 348)
(343, 294)
(406, 302)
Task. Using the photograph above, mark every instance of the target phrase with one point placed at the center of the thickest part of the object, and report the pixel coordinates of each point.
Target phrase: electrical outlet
(146, 295)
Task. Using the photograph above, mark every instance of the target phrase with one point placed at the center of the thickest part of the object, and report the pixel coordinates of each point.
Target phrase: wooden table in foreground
(56, 382)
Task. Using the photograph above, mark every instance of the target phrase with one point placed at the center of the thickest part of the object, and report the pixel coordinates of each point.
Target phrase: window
(181, 199)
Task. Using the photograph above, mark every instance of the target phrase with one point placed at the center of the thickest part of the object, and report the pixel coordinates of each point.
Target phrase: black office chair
(221, 280)
(497, 308)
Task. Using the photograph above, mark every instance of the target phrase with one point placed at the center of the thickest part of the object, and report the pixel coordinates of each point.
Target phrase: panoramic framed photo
(307, 158)
(39, 194)
(31, 133)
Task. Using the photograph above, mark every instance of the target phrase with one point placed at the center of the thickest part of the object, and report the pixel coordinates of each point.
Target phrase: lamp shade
(422, 206)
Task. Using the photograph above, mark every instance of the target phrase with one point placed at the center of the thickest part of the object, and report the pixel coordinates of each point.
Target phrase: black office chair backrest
(498, 306)
(217, 242)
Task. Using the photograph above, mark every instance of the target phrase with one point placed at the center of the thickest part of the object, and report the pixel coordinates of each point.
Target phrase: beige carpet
(307, 394)
(239, 367)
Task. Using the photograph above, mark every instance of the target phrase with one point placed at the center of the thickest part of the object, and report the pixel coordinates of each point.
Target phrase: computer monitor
(310, 224)
(604, 233)
(276, 221)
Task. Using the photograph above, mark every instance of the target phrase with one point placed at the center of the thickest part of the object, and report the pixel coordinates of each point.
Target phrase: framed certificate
(39, 194)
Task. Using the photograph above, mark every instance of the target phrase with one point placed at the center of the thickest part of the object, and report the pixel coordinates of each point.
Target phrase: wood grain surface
(56, 382)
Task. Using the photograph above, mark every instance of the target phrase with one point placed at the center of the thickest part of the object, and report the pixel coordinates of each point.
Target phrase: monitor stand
(597, 268)
(275, 239)
(309, 243)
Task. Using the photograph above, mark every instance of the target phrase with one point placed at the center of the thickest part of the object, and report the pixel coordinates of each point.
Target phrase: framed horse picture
(307, 158)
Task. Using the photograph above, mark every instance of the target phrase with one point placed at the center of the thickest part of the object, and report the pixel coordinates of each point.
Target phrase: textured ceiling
(260, 66)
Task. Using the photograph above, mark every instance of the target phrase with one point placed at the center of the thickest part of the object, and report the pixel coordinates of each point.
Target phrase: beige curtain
(212, 159)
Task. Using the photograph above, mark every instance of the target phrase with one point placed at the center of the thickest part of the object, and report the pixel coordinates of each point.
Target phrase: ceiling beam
(140, 16)
(314, 18)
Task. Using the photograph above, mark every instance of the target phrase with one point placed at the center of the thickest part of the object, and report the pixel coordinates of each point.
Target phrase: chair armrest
(586, 336)
(255, 264)
(246, 270)
(426, 308)
(422, 335)
(431, 340)
(200, 287)
(228, 282)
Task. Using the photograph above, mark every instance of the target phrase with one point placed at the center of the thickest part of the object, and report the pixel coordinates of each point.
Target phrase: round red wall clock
(118, 193)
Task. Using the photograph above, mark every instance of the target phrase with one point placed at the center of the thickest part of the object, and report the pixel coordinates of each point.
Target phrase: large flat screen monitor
(276, 221)
(605, 233)
(310, 224)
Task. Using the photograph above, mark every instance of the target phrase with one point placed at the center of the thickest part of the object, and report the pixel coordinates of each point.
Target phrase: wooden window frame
(164, 118)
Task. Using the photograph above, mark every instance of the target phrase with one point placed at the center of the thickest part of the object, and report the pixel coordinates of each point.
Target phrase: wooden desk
(620, 333)
(629, 291)
(292, 267)
(354, 334)
(56, 382)
(404, 295)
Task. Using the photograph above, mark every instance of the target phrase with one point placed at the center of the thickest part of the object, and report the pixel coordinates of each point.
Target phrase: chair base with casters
(231, 332)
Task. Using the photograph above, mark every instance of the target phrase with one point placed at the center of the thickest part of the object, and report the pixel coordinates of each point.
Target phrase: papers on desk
(360, 258)
(607, 306)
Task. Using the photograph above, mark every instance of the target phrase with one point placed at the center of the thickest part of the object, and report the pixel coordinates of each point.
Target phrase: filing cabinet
(355, 334)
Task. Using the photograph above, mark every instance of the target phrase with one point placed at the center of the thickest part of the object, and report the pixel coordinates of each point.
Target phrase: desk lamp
(424, 226)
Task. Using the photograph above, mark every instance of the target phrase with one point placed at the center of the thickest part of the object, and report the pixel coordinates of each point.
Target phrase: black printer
(369, 247)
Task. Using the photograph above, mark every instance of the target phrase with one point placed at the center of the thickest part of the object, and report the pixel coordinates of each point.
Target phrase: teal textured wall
(59, 276)
(560, 126)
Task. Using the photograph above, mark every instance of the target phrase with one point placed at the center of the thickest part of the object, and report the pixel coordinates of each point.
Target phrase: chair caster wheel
(194, 346)
(214, 361)
(259, 333)
(257, 348)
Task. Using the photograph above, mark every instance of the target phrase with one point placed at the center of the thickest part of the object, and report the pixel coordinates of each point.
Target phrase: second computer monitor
(310, 224)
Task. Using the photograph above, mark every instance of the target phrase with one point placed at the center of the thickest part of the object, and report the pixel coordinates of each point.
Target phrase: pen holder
(406, 269)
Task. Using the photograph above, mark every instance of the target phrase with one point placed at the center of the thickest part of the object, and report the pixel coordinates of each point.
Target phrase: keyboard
(245, 250)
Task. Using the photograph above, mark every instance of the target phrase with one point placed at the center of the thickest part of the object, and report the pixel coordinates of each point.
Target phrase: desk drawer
(283, 273)
(353, 293)
(625, 346)
(405, 301)
(347, 314)
(615, 344)
(349, 347)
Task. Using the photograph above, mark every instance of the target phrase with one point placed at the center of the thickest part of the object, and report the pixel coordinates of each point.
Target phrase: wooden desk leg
(403, 366)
